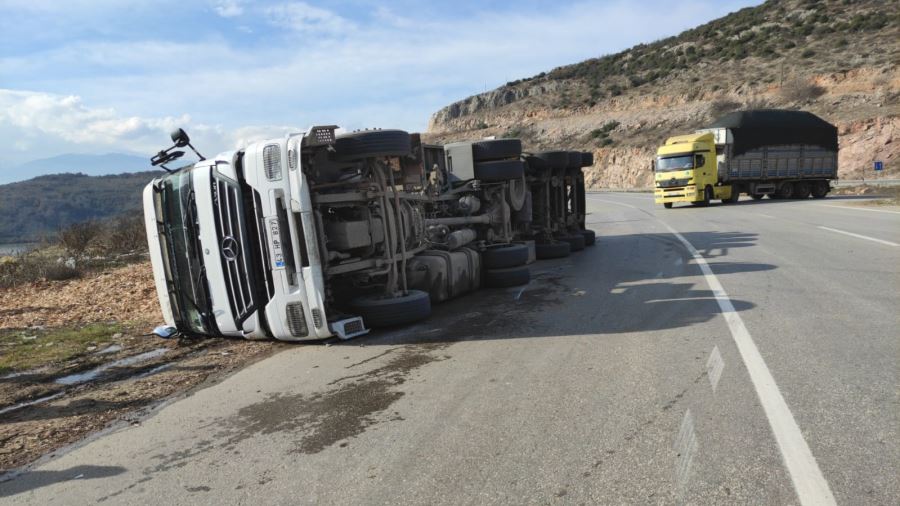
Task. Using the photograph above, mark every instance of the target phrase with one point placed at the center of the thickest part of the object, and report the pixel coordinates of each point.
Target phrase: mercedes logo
(230, 248)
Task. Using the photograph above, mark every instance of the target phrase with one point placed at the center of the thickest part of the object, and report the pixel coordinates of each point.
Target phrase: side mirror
(180, 138)
(164, 331)
(700, 161)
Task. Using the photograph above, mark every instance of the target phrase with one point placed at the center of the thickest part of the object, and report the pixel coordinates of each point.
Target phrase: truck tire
(587, 159)
(554, 159)
(555, 249)
(381, 311)
(535, 166)
(820, 189)
(667, 205)
(504, 278)
(801, 190)
(503, 256)
(707, 197)
(574, 160)
(784, 191)
(590, 237)
(517, 193)
(497, 149)
(499, 171)
(372, 144)
(576, 242)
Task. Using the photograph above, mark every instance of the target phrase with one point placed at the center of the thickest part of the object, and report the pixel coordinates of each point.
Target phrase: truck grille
(235, 263)
(668, 183)
(317, 318)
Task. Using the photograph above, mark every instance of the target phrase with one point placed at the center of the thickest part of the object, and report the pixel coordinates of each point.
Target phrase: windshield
(674, 163)
(181, 251)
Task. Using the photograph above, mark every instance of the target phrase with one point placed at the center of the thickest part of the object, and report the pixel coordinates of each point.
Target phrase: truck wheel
(554, 159)
(517, 193)
(576, 242)
(707, 197)
(574, 160)
(757, 196)
(503, 256)
(536, 166)
(735, 196)
(820, 189)
(499, 171)
(555, 249)
(590, 237)
(372, 144)
(503, 278)
(667, 205)
(497, 149)
(801, 190)
(784, 191)
(384, 311)
(587, 159)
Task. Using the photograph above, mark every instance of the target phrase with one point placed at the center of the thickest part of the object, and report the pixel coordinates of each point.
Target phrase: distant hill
(38, 207)
(835, 58)
(92, 165)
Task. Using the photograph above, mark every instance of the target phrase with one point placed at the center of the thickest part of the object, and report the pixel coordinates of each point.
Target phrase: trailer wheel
(497, 149)
(383, 311)
(757, 196)
(576, 242)
(555, 249)
(503, 256)
(554, 159)
(590, 237)
(801, 190)
(536, 166)
(574, 160)
(587, 159)
(503, 278)
(372, 144)
(784, 191)
(667, 205)
(820, 189)
(517, 193)
(499, 171)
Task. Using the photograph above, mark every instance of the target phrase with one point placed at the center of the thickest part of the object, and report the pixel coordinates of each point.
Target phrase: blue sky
(99, 76)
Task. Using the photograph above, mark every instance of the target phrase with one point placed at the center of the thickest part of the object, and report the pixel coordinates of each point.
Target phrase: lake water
(12, 249)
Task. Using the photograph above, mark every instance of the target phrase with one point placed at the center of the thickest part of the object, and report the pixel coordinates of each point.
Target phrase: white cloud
(229, 8)
(305, 18)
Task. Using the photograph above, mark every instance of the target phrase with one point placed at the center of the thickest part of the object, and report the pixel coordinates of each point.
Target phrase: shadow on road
(626, 283)
(36, 479)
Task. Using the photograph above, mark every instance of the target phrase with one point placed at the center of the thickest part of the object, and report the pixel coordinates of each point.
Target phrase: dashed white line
(809, 483)
(685, 447)
(860, 209)
(860, 236)
(714, 367)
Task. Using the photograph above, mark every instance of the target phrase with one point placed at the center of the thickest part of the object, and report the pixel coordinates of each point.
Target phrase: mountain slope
(38, 207)
(92, 165)
(836, 58)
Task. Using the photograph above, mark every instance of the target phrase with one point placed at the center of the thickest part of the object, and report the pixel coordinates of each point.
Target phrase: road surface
(750, 358)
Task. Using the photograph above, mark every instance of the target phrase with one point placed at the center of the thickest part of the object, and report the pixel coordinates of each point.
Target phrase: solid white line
(851, 234)
(615, 203)
(809, 483)
(860, 209)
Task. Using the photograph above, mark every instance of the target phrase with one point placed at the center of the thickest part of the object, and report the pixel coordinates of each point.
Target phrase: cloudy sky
(100, 76)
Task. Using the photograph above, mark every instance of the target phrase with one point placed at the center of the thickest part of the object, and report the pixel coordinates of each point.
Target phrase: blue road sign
(879, 166)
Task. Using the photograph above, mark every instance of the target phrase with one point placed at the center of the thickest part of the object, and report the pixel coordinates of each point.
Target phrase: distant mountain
(38, 207)
(91, 165)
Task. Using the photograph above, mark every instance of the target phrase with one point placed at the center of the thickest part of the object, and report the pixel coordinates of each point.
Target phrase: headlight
(272, 162)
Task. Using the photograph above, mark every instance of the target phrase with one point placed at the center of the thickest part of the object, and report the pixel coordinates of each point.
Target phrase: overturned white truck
(315, 235)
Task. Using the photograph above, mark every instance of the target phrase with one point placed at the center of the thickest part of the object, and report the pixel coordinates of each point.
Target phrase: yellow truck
(779, 153)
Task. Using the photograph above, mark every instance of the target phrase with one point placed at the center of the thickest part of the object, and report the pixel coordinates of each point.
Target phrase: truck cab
(686, 170)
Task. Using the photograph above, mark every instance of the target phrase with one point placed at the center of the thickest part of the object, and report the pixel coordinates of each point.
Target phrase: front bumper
(688, 193)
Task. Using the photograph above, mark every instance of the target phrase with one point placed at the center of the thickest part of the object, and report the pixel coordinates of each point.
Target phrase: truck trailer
(316, 235)
(780, 153)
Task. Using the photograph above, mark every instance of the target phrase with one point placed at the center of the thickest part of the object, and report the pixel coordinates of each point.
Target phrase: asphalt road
(622, 374)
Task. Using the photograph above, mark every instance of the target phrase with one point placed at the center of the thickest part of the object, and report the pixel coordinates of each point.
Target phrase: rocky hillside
(836, 58)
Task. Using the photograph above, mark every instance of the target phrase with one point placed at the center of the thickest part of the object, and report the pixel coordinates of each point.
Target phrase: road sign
(879, 166)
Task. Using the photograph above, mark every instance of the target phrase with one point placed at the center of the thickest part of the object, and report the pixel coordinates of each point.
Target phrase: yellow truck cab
(686, 171)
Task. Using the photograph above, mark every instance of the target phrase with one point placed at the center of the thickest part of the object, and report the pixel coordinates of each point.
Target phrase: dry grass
(22, 350)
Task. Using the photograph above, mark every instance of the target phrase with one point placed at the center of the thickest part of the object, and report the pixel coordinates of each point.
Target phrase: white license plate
(275, 243)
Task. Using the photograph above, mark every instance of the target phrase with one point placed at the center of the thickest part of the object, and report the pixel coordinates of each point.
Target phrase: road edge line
(860, 236)
(809, 482)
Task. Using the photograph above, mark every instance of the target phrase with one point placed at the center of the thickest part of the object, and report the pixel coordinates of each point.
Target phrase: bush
(807, 53)
(723, 106)
(800, 91)
(125, 234)
(77, 237)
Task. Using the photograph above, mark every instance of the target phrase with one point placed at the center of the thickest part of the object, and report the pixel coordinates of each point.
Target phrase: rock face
(623, 106)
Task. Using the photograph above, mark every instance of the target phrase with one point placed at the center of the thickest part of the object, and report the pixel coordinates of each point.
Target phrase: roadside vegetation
(25, 349)
(78, 249)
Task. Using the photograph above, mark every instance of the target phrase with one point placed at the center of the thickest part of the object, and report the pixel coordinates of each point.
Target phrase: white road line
(616, 203)
(859, 236)
(765, 215)
(714, 367)
(685, 447)
(809, 483)
(860, 209)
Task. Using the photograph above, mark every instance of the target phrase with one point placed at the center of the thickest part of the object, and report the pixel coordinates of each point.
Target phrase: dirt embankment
(75, 357)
